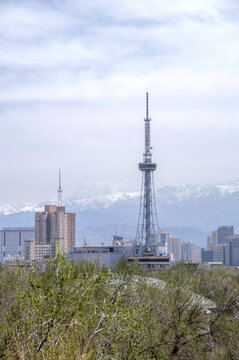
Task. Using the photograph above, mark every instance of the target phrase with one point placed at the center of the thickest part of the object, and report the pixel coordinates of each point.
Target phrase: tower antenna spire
(59, 191)
(147, 105)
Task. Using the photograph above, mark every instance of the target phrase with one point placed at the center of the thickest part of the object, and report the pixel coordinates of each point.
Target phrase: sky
(73, 77)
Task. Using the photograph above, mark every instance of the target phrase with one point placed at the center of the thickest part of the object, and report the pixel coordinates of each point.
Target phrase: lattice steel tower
(147, 227)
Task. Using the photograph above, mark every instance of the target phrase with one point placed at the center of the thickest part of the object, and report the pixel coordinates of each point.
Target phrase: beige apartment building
(54, 229)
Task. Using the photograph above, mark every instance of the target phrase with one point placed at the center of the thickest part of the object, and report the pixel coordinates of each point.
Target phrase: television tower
(59, 190)
(60, 243)
(147, 227)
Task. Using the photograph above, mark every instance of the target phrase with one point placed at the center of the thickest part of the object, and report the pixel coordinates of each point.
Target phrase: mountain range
(189, 211)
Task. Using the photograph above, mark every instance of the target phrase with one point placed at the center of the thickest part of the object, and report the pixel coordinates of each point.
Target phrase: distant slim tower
(59, 191)
(147, 227)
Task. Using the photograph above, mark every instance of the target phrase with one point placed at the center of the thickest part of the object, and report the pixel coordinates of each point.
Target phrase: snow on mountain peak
(20, 207)
(102, 201)
(172, 193)
(89, 199)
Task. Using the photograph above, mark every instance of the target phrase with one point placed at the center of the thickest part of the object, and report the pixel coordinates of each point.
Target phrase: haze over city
(72, 95)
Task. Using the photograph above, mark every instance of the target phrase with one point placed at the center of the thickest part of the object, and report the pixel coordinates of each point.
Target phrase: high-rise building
(218, 252)
(29, 250)
(223, 232)
(219, 236)
(232, 251)
(187, 248)
(12, 241)
(55, 227)
(163, 238)
(213, 238)
(174, 248)
(216, 245)
(207, 255)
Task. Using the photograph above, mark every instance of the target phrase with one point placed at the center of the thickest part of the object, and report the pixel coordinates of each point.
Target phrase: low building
(12, 240)
(117, 240)
(150, 262)
(211, 265)
(37, 252)
(196, 256)
(107, 256)
(44, 252)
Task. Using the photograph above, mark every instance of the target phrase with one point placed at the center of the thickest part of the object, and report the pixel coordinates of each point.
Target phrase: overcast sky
(73, 77)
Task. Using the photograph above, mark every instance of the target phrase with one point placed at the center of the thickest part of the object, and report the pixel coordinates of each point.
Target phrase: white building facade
(174, 248)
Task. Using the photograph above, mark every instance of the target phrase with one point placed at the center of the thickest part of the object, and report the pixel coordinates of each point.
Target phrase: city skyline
(73, 79)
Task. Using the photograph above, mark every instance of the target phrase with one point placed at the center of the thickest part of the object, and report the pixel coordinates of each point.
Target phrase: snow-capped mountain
(85, 198)
(180, 193)
(101, 212)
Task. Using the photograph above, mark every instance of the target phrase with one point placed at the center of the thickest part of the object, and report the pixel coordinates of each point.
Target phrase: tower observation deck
(147, 227)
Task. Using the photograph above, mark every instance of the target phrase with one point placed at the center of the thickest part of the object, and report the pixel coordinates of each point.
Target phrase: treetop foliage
(85, 312)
